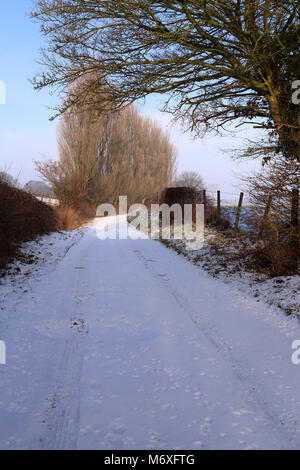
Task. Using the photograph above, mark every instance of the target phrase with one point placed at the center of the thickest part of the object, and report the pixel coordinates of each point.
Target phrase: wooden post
(295, 210)
(219, 205)
(238, 214)
(265, 217)
(295, 228)
(204, 197)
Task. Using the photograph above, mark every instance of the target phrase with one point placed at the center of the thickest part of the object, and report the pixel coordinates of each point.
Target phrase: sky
(27, 134)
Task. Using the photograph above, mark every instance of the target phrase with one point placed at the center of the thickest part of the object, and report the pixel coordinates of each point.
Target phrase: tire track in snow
(62, 413)
(285, 424)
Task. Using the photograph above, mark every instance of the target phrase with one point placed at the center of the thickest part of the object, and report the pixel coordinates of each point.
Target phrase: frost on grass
(231, 258)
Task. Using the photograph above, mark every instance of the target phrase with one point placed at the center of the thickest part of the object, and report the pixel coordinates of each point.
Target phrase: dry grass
(276, 259)
(212, 219)
(68, 218)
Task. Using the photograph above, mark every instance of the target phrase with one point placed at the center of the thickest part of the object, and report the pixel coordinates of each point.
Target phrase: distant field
(48, 200)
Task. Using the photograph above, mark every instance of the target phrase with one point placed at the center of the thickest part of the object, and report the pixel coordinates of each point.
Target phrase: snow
(48, 200)
(221, 258)
(123, 344)
(247, 216)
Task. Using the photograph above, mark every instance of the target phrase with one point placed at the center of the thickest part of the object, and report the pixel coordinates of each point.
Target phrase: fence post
(295, 210)
(238, 214)
(265, 217)
(219, 205)
(295, 227)
(204, 197)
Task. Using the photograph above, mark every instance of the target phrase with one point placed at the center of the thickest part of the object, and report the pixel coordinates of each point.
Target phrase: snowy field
(123, 344)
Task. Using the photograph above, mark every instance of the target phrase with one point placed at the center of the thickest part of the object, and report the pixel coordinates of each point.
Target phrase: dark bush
(22, 218)
(182, 195)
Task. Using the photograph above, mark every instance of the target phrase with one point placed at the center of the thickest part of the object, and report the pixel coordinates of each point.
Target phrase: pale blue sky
(26, 132)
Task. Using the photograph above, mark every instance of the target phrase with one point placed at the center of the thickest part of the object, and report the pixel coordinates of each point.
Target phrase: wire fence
(229, 199)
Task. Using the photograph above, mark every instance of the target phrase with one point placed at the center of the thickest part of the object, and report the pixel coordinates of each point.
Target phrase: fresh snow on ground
(230, 258)
(221, 258)
(123, 344)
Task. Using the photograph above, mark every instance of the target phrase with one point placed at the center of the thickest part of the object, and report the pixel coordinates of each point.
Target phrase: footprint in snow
(79, 325)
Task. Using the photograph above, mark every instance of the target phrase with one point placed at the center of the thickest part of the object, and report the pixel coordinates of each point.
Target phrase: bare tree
(271, 194)
(276, 180)
(190, 179)
(103, 156)
(140, 160)
(219, 62)
(8, 179)
(78, 137)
